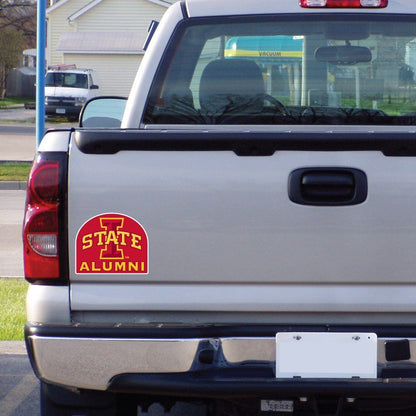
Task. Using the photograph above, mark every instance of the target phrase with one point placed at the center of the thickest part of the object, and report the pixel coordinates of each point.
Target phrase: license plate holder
(60, 111)
(326, 355)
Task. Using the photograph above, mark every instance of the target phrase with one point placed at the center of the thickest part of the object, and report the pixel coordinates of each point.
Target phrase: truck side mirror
(103, 112)
(94, 87)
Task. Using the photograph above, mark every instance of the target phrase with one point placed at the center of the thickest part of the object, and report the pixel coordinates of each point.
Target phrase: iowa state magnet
(112, 244)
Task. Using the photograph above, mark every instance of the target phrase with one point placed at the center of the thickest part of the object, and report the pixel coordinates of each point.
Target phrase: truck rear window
(317, 69)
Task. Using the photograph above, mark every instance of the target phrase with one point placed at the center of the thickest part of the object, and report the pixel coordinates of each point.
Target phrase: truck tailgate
(223, 234)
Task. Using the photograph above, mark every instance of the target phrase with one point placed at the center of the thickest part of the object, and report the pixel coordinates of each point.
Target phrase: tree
(11, 45)
(19, 15)
(17, 32)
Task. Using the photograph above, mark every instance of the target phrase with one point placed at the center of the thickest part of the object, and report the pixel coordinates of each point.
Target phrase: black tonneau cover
(245, 143)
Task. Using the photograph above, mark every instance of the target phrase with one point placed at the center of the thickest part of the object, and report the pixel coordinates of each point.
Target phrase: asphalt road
(17, 129)
(18, 133)
(17, 142)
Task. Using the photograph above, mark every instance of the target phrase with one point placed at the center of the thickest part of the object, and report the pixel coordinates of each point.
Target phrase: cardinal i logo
(112, 244)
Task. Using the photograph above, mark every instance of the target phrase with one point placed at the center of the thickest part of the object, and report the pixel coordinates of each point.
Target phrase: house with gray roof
(104, 35)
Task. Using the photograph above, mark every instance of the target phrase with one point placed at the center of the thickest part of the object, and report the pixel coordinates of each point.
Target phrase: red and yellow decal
(112, 244)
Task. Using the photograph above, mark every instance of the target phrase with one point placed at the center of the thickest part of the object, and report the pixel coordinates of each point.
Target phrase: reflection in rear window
(320, 69)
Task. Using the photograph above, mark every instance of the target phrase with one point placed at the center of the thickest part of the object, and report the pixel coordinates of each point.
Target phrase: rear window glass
(65, 79)
(316, 69)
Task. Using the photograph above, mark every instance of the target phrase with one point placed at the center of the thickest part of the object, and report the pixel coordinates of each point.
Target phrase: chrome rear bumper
(99, 363)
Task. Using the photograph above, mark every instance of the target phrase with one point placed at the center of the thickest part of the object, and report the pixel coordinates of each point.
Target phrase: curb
(5, 162)
(13, 185)
(13, 348)
(13, 107)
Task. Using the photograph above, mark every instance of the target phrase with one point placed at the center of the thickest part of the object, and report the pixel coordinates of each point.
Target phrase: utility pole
(40, 71)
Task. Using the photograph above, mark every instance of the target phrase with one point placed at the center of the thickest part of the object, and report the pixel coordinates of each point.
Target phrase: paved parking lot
(19, 388)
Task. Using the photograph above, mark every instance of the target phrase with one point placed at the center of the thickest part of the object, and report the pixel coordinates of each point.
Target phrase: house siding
(58, 23)
(116, 74)
(117, 16)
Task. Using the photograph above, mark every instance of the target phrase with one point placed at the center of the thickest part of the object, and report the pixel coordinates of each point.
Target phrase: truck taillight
(344, 3)
(44, 222)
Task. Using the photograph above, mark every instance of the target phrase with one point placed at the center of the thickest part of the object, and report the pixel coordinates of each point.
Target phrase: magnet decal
(112, 244)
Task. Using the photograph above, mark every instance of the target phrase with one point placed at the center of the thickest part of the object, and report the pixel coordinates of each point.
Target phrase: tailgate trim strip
(96, 141)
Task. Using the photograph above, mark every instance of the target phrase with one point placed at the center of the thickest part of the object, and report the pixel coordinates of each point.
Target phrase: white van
(67, 88)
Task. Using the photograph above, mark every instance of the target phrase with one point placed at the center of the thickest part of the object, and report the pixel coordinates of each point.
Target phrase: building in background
(104, 35)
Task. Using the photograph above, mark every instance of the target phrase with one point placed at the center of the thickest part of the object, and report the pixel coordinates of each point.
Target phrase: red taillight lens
(41, 228)
(344, 3)
(45, 181)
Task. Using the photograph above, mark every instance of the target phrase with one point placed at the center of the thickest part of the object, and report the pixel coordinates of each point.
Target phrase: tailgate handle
(328, 186)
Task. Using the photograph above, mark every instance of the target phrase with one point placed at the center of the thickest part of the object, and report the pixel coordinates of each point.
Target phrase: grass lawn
(12, 171)
(7, 101)
(12, 309)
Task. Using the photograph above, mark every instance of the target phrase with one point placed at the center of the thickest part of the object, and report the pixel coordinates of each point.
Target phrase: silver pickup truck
(243, 238)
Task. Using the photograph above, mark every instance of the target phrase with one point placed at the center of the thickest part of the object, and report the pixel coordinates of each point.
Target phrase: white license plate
(326, 355)
(283, 406)
(60, 111)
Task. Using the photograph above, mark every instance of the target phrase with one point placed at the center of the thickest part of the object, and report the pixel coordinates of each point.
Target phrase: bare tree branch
(19, 15)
